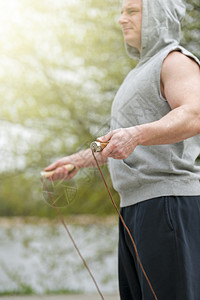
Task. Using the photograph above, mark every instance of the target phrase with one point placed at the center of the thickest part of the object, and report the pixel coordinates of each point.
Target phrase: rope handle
(47, 174)
(98, 146)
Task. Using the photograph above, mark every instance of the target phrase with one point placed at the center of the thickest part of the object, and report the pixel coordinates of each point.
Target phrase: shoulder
(178, 64)
(180, 78)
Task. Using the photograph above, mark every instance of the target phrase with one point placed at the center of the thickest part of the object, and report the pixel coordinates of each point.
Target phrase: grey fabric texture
(163, 170)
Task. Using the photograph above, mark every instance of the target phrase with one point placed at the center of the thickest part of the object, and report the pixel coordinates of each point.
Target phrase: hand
(122, 142)
(61, 172)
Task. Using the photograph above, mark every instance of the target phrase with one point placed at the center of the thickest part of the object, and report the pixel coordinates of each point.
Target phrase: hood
(161, 26)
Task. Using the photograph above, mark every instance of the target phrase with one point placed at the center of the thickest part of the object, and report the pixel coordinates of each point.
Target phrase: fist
(122, 142)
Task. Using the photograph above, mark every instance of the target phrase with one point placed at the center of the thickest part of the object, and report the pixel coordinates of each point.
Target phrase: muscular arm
(180, 81)
(180, 85)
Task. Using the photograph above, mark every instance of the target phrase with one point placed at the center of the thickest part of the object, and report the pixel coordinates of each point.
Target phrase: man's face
(131, 22)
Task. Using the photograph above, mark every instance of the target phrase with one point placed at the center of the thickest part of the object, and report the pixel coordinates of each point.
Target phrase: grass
(24, 290)
(28, 291)
(63, 292)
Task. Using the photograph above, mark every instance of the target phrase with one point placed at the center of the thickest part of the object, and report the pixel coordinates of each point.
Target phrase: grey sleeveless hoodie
(153, 171)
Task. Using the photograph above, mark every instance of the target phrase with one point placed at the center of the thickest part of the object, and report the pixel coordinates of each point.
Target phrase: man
(152, 153)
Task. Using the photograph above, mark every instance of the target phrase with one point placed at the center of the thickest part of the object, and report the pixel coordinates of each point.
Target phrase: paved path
(63, 297)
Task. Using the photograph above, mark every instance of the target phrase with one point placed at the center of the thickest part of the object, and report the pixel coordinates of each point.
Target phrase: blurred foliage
(61, 63)
(191, 27)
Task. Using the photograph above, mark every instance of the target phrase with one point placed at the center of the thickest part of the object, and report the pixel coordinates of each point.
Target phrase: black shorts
(166, 231)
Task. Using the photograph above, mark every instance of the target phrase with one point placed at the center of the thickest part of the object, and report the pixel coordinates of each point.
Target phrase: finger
(109, 150)
(105, 138)
(57, 173)
(53, 166)
(62, 173)
(59, 163)
(71, 175)
(56, 177)
(49, 173)
(68, 174)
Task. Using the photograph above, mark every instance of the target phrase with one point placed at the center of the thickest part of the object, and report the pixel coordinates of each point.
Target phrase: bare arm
(180, 78)
(180, 84)
(82, 159)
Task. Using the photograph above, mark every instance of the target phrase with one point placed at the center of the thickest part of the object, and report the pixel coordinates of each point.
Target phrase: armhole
(183, 51)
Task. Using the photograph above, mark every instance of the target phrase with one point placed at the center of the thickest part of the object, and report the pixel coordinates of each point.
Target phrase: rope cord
(70, 236)
(125, 226)
(122, 220)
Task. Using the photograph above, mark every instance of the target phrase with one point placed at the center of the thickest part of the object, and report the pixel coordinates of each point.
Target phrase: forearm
(85, 159)
(179, 124)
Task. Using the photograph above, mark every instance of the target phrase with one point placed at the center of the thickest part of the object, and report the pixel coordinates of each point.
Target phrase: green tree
(191, 27)
(61, 65)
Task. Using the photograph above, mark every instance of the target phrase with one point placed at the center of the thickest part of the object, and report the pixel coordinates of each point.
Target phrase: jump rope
(95, 147)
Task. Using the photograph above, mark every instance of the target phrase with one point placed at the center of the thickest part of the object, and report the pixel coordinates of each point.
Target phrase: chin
(130, 43)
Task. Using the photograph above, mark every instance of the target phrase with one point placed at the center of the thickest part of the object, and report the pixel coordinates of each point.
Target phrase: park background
(61, 63)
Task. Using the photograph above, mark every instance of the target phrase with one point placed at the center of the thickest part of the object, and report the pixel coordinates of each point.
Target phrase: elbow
(194, 119)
